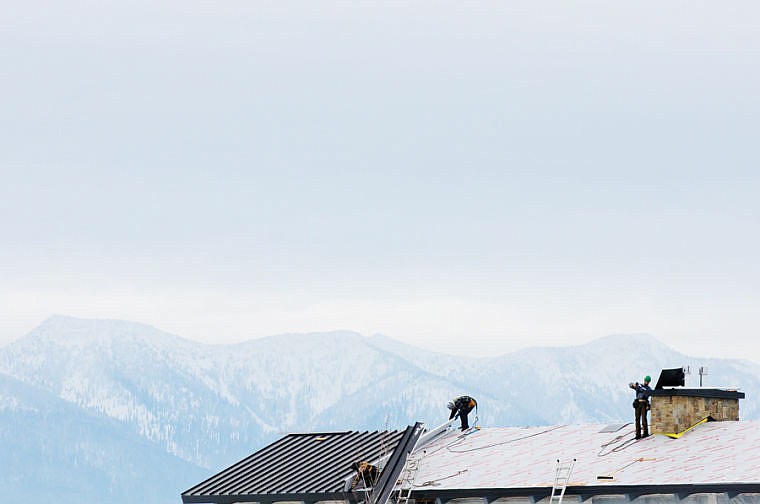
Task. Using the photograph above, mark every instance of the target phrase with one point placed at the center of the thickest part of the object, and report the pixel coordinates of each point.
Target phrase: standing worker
(462, 406)
(641, 405)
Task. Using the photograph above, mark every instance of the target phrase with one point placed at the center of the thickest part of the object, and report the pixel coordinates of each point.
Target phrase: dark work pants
(463, 417)
(641, 418)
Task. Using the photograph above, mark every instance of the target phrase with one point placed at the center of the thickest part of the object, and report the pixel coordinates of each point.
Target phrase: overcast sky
(468, 177)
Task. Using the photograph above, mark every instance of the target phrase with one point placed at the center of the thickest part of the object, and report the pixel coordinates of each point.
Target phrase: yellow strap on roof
(679, 434)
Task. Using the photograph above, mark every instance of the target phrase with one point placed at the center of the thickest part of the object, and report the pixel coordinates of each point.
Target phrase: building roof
(300, 467)
(501, 462)
(712, 453)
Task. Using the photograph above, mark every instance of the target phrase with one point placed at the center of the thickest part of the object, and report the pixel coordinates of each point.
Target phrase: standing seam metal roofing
(298, 466)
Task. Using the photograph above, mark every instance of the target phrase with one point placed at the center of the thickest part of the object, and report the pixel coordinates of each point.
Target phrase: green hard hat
(647, 378)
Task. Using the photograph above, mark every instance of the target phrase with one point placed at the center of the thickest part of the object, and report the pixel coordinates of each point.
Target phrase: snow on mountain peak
(207, 402)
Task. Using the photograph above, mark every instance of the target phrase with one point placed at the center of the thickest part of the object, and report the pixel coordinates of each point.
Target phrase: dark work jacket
(643, 392)
(463, 404)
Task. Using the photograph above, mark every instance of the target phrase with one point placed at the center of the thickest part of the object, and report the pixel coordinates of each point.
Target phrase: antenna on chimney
(702, 372)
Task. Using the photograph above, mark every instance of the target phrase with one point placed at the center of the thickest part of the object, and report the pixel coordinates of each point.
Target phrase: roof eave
(263, 498)
(491, 494)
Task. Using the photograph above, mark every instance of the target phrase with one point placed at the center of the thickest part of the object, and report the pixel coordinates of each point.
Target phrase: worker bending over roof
(462, 406)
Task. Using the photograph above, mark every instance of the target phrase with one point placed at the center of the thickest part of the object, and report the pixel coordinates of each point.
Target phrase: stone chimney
(674, 410)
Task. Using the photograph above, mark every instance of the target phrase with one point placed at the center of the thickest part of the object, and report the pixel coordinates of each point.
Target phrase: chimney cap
(699, 392)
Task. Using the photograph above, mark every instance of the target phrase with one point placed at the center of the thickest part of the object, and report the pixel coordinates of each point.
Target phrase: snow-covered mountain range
(104, 409)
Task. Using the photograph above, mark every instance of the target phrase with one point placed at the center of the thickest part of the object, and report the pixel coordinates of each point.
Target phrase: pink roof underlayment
(521, 457)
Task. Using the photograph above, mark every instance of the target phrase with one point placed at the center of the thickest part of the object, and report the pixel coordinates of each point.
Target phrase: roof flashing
(718, 393)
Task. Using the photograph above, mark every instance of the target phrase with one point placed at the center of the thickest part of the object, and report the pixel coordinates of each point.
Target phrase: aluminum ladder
(407, 481)
(561, 477)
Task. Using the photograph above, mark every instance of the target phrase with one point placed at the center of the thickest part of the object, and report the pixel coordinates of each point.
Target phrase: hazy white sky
(467, 177)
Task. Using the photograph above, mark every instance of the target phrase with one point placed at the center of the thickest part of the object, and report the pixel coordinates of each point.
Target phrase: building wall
(671, 414)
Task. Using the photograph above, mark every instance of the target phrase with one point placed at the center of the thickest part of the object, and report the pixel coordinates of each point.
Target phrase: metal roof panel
(297, 465)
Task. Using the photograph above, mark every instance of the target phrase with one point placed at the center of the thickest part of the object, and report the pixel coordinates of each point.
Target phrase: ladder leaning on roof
(412, 465)
(561, 477)
(407, 481)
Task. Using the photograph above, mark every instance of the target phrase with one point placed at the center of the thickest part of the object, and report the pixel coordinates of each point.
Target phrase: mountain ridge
(206, 406)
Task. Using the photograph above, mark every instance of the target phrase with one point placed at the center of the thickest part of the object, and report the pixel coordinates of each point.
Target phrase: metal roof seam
(252, 466)
(342, 467)
(311, 449)
(338, 451)
(279, 467)
(198, 489)
(320, 451)
(375, 450)
(326, 451)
